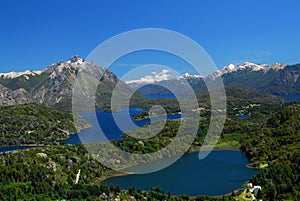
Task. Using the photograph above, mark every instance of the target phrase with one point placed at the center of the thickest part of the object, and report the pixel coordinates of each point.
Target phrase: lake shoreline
(122, 174)
(237, 190)
(137, 118)
(117, 174)
(251, 166)
(24, 145)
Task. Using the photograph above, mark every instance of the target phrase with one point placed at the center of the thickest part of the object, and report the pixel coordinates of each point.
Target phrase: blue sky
(35, 34)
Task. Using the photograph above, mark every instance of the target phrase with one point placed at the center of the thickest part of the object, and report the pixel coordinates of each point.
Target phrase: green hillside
(34, 124)
(277, 143)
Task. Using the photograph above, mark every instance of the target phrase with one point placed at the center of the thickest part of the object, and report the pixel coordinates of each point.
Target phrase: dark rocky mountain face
(53, 86)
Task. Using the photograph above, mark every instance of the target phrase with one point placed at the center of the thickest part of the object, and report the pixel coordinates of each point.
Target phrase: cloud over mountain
(154, 77)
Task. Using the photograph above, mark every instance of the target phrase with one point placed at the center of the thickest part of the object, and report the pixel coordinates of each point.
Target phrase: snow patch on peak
(231, 66)
(254, 67)
(251, 66)
(13, 74)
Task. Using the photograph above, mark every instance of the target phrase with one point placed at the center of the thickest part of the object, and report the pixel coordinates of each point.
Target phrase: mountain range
(53, 86)
(276, 79)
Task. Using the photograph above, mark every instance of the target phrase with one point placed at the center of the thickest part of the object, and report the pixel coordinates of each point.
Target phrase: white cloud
(149, 79)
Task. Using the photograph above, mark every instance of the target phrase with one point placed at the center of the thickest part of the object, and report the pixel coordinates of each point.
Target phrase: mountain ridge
(53, 86)
(273, 79)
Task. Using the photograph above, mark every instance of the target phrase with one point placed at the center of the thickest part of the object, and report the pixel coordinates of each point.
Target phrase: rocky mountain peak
(277, 66)
(76, 59)
(53, 85)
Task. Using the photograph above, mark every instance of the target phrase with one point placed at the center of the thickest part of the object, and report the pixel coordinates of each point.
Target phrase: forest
(35, 124)
(269, 138)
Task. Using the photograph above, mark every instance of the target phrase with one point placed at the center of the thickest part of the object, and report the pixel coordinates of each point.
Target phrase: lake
(160, 95)
(242, 117)
(12, 148)
(291, 97)
(109, 127)
(219, 173)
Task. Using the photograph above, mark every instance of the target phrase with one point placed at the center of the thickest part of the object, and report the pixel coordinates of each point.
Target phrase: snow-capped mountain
(53, 85)
(27, 73)
(246, 67)
(261, 78)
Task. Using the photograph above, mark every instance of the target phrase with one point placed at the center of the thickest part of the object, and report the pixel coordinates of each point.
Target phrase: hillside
(49, 173)
(278, 144)
(34, 124)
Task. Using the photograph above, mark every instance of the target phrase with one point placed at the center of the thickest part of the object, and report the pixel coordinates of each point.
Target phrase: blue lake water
(166, 95)
(159, 95)
(12, 148)
(242, 117)
(291, 97)
(219, 173)
(109, 128)
(107, 124)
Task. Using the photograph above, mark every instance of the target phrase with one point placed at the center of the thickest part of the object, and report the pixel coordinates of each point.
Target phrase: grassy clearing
(228, 145)
(244, 196)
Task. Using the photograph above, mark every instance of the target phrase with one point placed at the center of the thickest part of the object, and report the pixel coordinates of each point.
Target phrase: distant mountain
(53, 86)
(276, 79)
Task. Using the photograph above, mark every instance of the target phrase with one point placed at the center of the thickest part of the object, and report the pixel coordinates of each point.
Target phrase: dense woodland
(34, 124)
(278, 145)
(269, 138)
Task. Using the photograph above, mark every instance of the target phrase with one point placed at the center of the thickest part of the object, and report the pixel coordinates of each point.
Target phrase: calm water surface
(242, 117)
(108, 126)
(291, 97)
(12, 148)
(219, 173)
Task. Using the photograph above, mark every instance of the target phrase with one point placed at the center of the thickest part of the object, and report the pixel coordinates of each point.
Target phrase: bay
(109, 128)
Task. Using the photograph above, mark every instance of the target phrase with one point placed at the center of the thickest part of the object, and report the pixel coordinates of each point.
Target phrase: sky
(35, 34)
